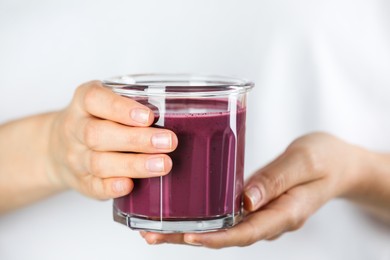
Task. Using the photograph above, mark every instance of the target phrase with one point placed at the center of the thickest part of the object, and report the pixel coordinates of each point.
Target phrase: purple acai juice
(208, 165)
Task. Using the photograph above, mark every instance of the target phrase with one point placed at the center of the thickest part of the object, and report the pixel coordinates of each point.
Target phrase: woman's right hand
(102, 140)
(281, 196)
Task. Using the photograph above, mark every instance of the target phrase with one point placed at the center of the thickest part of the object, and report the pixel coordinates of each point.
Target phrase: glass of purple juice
(203, 191)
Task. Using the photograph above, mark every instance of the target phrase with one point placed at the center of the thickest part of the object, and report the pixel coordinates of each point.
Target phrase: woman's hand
(284, 194)
(103, 140)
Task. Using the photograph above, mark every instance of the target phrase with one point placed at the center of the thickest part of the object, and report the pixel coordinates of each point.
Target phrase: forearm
(23, 161)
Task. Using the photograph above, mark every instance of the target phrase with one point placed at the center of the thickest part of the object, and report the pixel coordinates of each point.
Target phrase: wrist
(367, 175)
(52, 168)
(357, 164)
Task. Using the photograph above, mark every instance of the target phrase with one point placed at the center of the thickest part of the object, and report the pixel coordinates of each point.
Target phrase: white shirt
(318, 65)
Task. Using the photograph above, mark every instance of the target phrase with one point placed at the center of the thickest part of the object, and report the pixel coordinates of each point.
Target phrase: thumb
(292, 168)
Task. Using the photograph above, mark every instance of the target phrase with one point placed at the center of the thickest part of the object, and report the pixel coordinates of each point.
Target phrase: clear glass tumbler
(203, 191)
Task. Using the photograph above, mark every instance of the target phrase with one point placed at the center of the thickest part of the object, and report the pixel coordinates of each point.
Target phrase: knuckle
(91, 134)
(246, 242)
(96, 188)
(68, 122)
(274, 183)
(251, 237)
(296, 224)
(115, 104)
(272, 238)
(135, 141)
(128, 164)
(95, 163)
(91, 93)
(72, 159)
(308, 155)
(296, 218)
(215, 246)
(105, 192)
(79, 92)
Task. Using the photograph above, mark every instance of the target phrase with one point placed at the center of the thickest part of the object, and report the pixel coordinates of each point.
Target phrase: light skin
(101, 141)
(96, 146)
(281, 196)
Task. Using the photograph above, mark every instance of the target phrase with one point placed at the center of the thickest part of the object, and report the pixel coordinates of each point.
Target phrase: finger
(292, 168)
(104, 189)
(274, 237)
(157, 238)
(110, 164)
(101, 102)
(104, 135)
(244, 234)
(287, 213)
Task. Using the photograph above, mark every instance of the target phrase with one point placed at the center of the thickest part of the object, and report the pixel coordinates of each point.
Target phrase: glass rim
(177, 85)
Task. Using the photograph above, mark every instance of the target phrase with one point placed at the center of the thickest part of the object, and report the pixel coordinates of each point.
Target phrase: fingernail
(118, 186)
(253, 193)
(140, 115)
(192, 241)
(155, 164)
(162, 141)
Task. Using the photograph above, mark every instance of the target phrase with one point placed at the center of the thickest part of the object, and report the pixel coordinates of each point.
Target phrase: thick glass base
(177, 225)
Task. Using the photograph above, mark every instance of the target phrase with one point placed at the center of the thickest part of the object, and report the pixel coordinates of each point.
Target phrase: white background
(318, 65)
